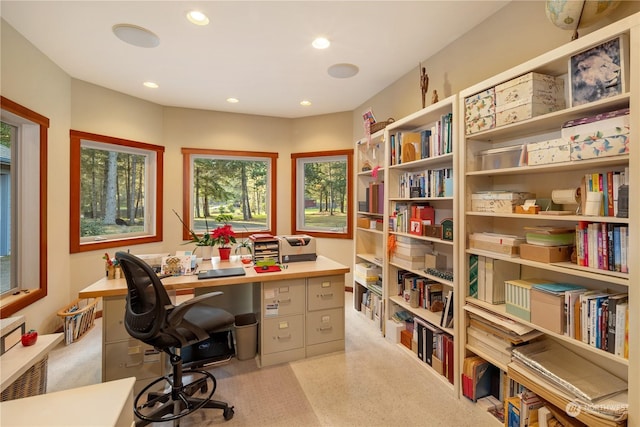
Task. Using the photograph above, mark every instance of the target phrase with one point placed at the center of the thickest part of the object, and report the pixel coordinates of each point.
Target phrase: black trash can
(246, 326)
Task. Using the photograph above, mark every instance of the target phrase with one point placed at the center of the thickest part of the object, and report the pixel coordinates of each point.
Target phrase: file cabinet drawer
(283, 298)
(283, 333)
(326, 325)
(325, 292)
(113, 321)
(132, 358)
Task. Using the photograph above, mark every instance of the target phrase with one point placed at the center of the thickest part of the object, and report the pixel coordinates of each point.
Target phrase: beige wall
(33, 81)
(516, 33)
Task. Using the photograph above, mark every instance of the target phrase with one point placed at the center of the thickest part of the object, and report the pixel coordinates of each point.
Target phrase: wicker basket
(31, 383)
(78, 318)
(375, 127)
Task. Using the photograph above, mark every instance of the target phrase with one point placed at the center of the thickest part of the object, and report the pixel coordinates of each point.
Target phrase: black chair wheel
(228, 413)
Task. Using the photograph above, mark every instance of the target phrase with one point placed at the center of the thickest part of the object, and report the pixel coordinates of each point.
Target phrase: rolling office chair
(151, 318)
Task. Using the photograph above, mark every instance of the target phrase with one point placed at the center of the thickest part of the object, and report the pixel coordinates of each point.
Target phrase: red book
(449, 356)
(610, 211)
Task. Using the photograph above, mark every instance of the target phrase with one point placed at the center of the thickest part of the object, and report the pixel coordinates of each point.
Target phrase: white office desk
(308, 321)
(105, 404)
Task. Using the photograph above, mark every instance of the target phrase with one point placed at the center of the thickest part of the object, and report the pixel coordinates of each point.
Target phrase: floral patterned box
(546, 152)
(607, 135)
(522, 110)
(480, 111)
(532, 88)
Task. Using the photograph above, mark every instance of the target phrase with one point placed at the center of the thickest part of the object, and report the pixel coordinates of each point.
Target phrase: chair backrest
(148, 303)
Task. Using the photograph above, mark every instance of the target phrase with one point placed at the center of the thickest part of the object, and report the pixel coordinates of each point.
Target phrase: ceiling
(256, 51)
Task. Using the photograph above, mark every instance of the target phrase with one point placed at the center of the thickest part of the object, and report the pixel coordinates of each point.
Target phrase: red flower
(223, 236)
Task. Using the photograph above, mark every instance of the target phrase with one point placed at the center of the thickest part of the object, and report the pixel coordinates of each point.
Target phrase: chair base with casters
(178, 401)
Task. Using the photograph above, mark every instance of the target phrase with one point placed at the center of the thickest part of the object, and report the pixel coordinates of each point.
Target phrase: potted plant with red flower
(223, 236)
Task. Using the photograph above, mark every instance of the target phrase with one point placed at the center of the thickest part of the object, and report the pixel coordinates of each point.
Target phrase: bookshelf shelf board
(428, 162)
(417, 119)
(368, 174)
(370, 230)
(562, 267)
(419, 199)
(501, 310)
(612, 161)
(372, 258)
(429, 316)
(547, 218)
(551, 121)
(425, 366)
(486, 357)
(374, 214)
(424, 274)
(424, 238)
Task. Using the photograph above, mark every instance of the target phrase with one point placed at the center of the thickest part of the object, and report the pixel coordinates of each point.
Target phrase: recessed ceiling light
(197, 17)
(152, 85)
(342, 71)
(305, 103)
(136, 36)
(232, 100)
(321, 43)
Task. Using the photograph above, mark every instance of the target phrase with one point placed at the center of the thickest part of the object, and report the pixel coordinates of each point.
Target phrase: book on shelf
(613, 328)
(602, 246)
(473, 275)
(446, 319)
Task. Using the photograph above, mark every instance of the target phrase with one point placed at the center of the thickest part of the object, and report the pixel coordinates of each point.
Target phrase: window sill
(10, 304)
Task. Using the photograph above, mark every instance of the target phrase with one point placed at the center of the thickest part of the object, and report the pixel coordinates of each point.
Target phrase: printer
(298, 247)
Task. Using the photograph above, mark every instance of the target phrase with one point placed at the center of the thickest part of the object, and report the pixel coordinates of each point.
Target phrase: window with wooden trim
(116, 192)
(322, 194)
(23, 207)
(238, 184)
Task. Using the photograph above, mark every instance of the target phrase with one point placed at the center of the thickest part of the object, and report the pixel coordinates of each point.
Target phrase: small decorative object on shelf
(29, 338)
(424, 84)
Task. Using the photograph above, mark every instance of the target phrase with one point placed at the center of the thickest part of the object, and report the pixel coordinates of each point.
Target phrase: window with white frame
(322, 193)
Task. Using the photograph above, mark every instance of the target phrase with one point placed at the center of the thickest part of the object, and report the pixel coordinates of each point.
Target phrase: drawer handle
(131, 365)
(329, 295)
(288, 300)
(325, 328)
(286, 337)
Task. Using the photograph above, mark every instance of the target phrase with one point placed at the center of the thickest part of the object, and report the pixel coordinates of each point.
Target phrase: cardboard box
(517, 295)
(545, 253)
(500, 248)
(547, 152)
(480, 111)
(437, 365)
(522, 111)
(435, 261)
(405, 338)
(547, 310)
(364, 222)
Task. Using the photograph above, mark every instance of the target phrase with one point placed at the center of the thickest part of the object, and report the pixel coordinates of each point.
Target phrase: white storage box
(531, 88)
(547, 152)
(498, 201)
(518, 111)
(367, 273)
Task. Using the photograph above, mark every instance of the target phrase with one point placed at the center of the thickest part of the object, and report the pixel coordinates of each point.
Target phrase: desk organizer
(78, 318)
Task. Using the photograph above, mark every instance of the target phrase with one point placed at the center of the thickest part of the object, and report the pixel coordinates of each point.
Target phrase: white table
(104, 404)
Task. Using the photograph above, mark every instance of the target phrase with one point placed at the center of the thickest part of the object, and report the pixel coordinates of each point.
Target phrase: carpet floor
(372, 383)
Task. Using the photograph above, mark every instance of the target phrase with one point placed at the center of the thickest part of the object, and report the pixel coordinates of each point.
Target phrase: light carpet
(372, 383)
